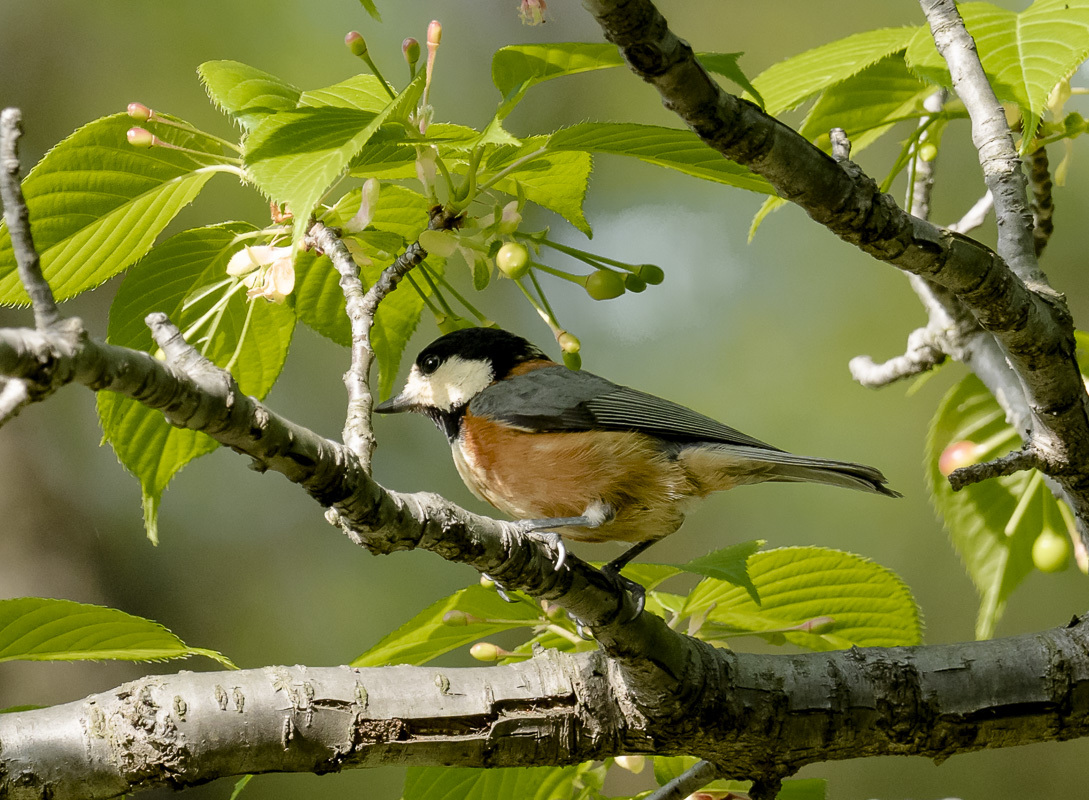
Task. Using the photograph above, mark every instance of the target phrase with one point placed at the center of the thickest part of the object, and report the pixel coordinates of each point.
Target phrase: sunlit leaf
(426, 636)
(245, 93)
(555, 180)
(524, 783)
(145, 443)
(44, 629)
(666, 768)
(97, 203)
(849, 600)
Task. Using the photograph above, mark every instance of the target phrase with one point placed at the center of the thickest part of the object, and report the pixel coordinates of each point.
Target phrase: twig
(1043, 203)
(991, 136)
(691, 780)
(1025, 458)
(921, 178)
(923, 353)
(975, 215)
(18, 219)
(361, 309)
(14, 397)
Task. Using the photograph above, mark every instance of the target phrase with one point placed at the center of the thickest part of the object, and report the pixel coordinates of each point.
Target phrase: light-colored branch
(1030, 324)
(975, 216)
(14, 397)
(992, 138)
(18, 219)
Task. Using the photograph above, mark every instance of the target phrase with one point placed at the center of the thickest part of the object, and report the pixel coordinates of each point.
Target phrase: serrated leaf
(556, 180)
(725, 64)
(524, 783)
(1025, 53)
(728, 564)
(360, 92)
(370, 8)
(992, 524)
(144, 442)
(674, 149)
(426, 636)
(869, 606)
(245, 93)
(97, 203)
(45, 629)
(786, 84)
(867, 104)
(768, 207)
(295, 156)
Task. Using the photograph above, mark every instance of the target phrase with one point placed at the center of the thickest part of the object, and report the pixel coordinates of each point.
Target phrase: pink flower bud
(139, 112)
(356, 43)
(410, 48)
(140, 137)
(434, 33)
(532, 12)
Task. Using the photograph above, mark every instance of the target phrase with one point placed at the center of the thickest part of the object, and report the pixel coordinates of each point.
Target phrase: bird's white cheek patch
(453, 384)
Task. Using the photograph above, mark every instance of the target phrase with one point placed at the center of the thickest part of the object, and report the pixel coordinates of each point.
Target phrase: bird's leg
(637, 590)
(595, 515)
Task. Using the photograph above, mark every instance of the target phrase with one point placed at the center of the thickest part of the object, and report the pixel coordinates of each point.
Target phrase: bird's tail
(722, 466)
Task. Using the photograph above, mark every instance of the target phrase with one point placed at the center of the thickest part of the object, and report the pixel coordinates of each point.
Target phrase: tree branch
(744, 712)
(1032, 329)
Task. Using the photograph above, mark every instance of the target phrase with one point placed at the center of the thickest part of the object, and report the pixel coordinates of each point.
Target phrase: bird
(570, 454)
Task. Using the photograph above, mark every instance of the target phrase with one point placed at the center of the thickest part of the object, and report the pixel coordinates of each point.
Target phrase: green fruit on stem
(1051, 551)
(633, 283)
(928, 152)
(513, 260)
(573, 361)
(650, 273)
(604, 284)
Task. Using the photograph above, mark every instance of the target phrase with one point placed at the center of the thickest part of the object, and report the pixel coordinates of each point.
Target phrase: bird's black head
(454, 369)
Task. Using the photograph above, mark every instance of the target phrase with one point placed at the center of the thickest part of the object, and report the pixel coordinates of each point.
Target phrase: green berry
(650, 273)
(513, 260)
(569, 342)
(604, 284)
(573, 361)
(1051, 551)
(486, 651)
(928, 152)
(633, 283)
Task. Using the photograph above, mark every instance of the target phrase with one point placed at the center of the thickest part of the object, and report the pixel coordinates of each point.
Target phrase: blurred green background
(757, 335)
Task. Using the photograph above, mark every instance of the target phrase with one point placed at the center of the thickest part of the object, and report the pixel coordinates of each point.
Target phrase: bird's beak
(395, 405)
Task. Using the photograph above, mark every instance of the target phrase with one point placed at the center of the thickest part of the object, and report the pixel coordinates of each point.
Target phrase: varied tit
(573, 453)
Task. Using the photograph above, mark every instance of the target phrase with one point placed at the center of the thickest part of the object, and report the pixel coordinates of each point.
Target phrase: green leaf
(579, 782)
(239, 785)
(516, 69)
(370, 8)
(728, 564)
(16, 709)
(1025, 54)
(401, 215)
(786, 84)
(360, 92)
(426, 636)
(145, 443)
(97, 203)
(869, 606)
(867, 104)
(992, 524)
(674, 149)
(43, 629)
(245, 93)
(555, 180)
(666, 768)
(725, 64)
(768, 207)
(295, 156)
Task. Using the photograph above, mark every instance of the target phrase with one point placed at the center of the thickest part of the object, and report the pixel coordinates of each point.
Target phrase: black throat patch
(449, 422)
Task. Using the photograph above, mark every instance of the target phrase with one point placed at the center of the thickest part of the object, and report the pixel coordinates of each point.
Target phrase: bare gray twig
(1025, 458)
(14, 397)
(691, 780)
(18, 219)
(974, 217)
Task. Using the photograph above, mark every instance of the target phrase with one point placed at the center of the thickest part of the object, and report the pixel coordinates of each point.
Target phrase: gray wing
(557, 399)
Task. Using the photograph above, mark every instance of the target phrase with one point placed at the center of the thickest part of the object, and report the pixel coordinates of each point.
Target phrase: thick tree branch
(754, 716)
(1029, 323)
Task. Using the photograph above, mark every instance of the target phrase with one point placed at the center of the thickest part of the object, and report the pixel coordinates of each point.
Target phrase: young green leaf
(728, 564)
(426, 636)
(867, 104)
(295, 156)
(97, 203)
(246, 94)
(360, 92)
(993, 524)
(44, 629)
(148, 446)
(516, 69)
(372, 9)
(725, 64)
(555, 180)
(1024, 53)
(814, 597)
(674, 149)
(579, 782)
(786, 84)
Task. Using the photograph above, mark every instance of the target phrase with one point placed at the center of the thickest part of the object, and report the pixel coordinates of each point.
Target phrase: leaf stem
(509, 169)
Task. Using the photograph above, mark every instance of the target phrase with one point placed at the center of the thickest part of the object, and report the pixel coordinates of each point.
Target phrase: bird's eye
(430, 364)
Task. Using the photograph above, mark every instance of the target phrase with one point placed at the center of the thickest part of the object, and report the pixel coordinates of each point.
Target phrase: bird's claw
(499, 589)
(553, 541)
(632, 590)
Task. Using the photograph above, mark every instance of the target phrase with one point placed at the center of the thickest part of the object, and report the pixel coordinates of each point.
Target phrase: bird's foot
(499, 589)
(634, 592)
(550, 539)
